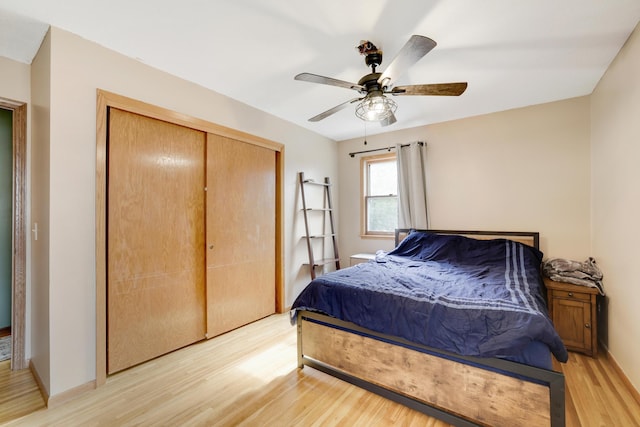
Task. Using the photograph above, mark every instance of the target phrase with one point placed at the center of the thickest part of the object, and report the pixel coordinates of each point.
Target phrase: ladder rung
(324, 261)
(318, 209)
(320, 236)
(310, 181)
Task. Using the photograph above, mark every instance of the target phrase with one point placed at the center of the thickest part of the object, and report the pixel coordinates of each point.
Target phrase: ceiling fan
(374, 105)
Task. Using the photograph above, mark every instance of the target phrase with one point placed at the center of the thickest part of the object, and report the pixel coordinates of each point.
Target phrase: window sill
(378, 236)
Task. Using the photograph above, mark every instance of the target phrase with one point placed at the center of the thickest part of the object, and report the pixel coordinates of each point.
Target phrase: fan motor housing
(370, 81)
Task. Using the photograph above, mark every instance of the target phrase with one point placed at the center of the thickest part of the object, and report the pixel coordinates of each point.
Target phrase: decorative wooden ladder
(328, 208)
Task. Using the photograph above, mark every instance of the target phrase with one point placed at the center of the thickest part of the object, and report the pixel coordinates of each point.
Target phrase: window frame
(364, 194)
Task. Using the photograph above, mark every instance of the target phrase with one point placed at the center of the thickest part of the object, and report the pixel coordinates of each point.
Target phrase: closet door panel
(155, 238)
(241, 183)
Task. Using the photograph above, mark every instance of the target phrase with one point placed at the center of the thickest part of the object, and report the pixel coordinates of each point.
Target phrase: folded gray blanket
(584, 273)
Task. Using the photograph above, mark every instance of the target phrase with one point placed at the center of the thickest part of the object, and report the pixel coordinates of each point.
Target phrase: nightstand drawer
(571, 295)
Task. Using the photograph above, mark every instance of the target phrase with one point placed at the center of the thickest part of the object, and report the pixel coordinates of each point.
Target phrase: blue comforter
(471, 297)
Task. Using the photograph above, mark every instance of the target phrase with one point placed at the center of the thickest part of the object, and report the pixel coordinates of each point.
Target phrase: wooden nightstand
(358, 258)
(572, 309)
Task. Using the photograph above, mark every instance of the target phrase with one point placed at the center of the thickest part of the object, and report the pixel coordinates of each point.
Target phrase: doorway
(6, 208)
(18, 229)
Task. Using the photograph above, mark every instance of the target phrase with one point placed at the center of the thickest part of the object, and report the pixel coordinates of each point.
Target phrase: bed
(450, 323)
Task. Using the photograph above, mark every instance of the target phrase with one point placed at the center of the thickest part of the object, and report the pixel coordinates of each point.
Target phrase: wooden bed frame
(460, 390)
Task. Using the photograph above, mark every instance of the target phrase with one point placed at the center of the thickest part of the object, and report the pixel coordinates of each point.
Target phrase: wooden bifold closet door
(190, 236)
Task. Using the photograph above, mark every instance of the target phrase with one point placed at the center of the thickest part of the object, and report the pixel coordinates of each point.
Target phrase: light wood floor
(19, 393)
(249, 377)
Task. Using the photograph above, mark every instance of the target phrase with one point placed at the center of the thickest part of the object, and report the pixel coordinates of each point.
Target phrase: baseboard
(41, 387)
(59, 399)
(620, 372)
(70, 394)
(5, 332)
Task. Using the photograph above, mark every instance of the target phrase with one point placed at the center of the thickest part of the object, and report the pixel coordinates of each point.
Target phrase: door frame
(19, 258)
(106, 100)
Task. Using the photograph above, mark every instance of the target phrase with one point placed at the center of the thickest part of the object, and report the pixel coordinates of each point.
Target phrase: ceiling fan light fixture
(376, 108)
(373, 105)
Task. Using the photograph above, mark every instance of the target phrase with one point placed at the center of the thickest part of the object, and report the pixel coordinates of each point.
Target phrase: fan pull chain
(365, 133)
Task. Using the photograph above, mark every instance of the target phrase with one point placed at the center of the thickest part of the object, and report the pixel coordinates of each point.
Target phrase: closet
(191, 244)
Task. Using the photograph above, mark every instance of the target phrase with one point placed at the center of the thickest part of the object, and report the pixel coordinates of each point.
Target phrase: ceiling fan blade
(314, 78)
(389, 120)
(411, 52)
(438, 89)
(333, 110)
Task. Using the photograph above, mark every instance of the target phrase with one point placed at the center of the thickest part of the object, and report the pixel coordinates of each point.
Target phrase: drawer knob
(587, 325)
(571, 294)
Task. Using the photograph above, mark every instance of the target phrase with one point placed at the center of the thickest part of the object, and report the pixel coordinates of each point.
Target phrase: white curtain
(412, 185)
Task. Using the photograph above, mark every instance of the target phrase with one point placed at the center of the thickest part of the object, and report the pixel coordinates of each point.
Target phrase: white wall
(615, 129)
(78, 68)
(520, 170)
(15, 80)
(316, 165)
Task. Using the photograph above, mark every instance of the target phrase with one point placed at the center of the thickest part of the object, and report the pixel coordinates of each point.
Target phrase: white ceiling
(513, 53)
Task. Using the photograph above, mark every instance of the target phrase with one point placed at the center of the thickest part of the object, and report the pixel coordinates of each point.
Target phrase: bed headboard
(525, 237)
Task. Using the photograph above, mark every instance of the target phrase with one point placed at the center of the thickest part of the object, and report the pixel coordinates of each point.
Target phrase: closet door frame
(106, 100)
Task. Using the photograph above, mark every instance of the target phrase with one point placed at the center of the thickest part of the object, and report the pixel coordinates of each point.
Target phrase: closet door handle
(587, 325)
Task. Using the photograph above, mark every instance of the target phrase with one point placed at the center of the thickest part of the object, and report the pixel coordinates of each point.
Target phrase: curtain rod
(380, 149)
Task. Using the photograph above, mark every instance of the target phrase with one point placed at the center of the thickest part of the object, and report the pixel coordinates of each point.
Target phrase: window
(379, 195)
